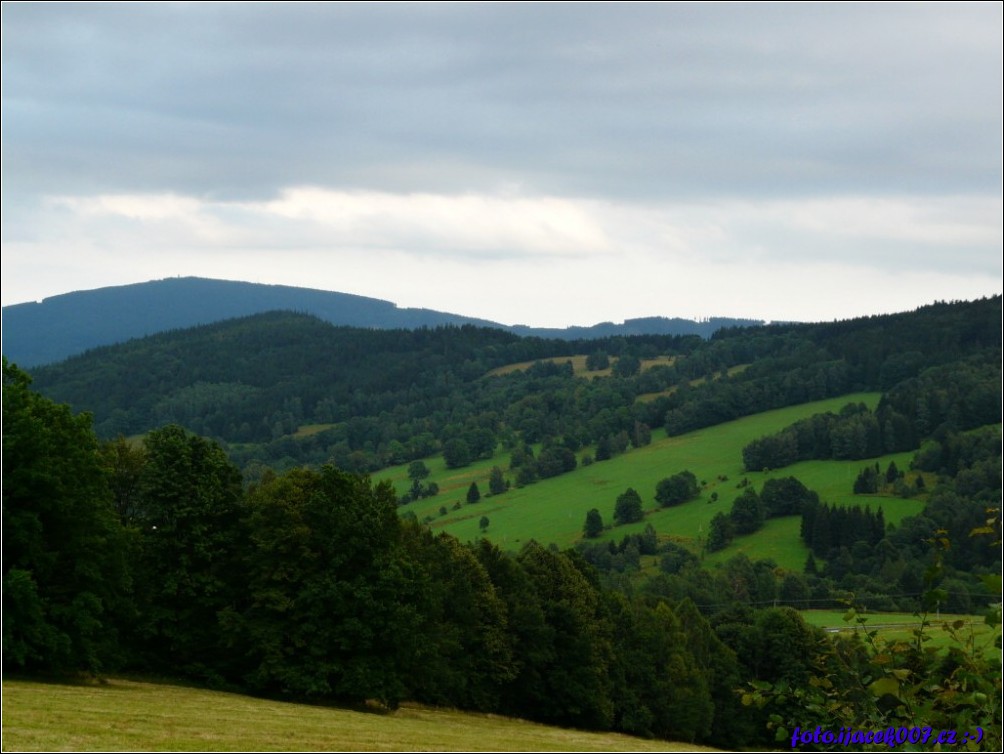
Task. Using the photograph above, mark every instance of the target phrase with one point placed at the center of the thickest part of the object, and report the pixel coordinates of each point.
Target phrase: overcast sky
(527, 163)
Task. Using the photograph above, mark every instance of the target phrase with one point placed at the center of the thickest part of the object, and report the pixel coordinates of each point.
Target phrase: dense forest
(188, 553)
(42, 332)
(382, 397)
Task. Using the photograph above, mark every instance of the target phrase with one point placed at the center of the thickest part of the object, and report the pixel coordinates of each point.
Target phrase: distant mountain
(43, 332)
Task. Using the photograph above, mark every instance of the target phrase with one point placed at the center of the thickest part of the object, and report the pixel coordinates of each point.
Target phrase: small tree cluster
(677, 489)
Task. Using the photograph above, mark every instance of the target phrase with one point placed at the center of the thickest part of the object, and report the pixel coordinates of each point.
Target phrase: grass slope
(554, 510)
(902, 627)
(123, 715)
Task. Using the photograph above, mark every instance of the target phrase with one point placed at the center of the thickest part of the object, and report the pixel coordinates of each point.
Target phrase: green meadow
(125, 715)
(554, 510)
(903, 627)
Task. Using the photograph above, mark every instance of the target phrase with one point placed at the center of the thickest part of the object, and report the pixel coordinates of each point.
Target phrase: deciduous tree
(65, 577)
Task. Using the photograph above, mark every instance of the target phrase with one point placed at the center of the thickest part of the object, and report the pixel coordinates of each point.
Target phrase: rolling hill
(450, 597)
(46, 331)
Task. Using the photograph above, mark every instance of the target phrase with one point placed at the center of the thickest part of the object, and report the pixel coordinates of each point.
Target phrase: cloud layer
(551, 164)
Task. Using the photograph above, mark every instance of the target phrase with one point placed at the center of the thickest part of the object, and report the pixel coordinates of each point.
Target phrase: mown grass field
(554, 510)
(125, 715)
(578, 365)
(902, 626)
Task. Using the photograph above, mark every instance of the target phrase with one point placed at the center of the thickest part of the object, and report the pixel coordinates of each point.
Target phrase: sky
(541, 164)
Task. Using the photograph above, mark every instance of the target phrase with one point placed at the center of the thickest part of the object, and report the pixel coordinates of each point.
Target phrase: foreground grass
(122, 715)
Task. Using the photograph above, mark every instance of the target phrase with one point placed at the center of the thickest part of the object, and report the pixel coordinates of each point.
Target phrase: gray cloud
(655, 106)
(633, 99)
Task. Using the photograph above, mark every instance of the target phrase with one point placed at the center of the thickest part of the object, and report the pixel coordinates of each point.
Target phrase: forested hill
(61, 326)
(284, 389)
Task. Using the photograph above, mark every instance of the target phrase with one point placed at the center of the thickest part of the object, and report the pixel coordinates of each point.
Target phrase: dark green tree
(417, 471)
(456, 453)
(597, 361)
(867, 481)
(747, 512)
(642, 435)
(677, 489)
(330, 608)
(892, 473)
(187, 568)
(124, 464)
(594, 524)
(496, 481)
(473, 493)
(65, 576)
(627, 366)
(530, 639)
(721, 531)
(483, 523)
(785, 497)
(461, 652)
(527, 474)
(481, 443)
(603, 450)
(555, 460)
(658, 688)
(732, 724)
(571, 686)
(628, 508)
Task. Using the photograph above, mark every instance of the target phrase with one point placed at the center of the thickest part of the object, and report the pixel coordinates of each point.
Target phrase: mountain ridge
(47, 331)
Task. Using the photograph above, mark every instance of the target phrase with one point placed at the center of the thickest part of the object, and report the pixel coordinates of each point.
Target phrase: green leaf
(884, 686)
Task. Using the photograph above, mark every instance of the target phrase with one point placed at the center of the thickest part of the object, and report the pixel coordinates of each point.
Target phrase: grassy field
(901, 626)
(554, 510)
(308, 430)
(123, 715)
(578, 365)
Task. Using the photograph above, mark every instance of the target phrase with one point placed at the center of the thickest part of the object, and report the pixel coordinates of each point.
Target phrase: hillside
(43, 332)
(282, 389)
(132, 715)
(558, 506)
(702, 490)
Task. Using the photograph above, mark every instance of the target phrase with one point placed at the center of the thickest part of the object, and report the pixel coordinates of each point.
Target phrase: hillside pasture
(127, 715)
(578, 365)
(554, 510)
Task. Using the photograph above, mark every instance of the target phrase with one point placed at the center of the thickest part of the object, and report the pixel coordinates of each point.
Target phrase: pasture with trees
(756, 495)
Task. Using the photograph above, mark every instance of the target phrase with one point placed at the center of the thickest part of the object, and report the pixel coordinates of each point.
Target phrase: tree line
(954, 397)
(280, 390)
(308, 585)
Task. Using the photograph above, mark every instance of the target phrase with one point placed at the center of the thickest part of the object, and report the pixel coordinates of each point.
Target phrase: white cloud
(467, 223)
(920, 220)
(538, 260)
